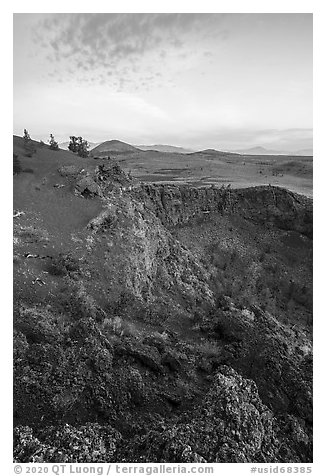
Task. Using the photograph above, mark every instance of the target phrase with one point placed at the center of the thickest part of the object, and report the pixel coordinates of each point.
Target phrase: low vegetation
(53, 143)
(79, 146)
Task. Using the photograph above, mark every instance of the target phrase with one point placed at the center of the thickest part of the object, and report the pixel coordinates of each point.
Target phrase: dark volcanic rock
(88, 187)
(91, 443)
(147, 261)
(230, 425)
(177, 204)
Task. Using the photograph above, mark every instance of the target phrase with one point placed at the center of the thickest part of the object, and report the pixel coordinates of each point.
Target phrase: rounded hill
(115, 146)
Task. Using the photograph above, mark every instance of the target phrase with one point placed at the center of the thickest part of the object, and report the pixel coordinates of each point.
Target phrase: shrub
(73, 145)
(79, 146)
(28, 144)
(28, 171)
(26, 136)
(53, 143)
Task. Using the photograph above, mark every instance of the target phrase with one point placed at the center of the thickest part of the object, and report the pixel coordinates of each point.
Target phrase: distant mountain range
(304, 152)
(262, 151)
(119, 147)
(165, 148)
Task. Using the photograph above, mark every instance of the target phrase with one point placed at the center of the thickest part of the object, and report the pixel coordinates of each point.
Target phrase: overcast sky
(194, 80)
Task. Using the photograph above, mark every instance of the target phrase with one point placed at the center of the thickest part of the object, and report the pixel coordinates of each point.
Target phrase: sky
(223, 81)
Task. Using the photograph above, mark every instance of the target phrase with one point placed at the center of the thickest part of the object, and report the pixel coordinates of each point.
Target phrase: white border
(250, 6)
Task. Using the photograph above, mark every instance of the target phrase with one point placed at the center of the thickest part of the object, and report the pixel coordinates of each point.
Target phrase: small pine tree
(27, 137)
(73, 145)
(28, 144)
(79, 145)
(83, 147)
(53, 143)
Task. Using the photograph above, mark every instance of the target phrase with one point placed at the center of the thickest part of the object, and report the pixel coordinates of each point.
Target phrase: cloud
(111, 41)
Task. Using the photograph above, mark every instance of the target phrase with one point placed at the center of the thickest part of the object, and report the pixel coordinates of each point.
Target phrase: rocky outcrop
(231, 425)
(147, 261)
(177, 205)
(90, 182)
(276, 357)
(91, 443)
